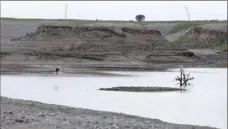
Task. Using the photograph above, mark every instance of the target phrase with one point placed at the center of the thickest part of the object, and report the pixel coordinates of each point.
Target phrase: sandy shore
(22, 114)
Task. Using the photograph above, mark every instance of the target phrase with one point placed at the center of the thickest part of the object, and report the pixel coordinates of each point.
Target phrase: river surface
(205, 103)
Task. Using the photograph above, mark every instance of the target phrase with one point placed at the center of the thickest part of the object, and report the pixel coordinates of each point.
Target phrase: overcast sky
(115, 10)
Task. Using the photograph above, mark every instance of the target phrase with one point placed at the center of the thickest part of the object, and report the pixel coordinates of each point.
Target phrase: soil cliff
(105, 43)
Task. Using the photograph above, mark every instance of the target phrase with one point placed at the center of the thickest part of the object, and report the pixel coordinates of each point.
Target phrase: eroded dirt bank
(21, 114)
(30, 47)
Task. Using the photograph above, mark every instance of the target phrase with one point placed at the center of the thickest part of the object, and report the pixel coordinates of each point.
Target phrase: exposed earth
(143, 89)
(40, 46)
(22, 114)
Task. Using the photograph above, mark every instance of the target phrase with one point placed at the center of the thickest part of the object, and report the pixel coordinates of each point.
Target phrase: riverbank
(41, 46)
(22, 114)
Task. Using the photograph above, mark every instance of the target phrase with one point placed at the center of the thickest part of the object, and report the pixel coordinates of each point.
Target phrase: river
(205, 103)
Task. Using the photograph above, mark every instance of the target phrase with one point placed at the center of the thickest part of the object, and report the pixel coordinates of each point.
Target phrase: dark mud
(142, 89)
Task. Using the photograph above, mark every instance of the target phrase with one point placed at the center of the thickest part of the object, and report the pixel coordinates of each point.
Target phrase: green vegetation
(183, 26)
(184, 39)
(140, 17)
(20, 19)
(183, 42)
(189, 42)
(222, 47)
(222, 65)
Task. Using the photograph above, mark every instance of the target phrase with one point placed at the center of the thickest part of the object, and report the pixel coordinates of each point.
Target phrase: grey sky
(116, 10)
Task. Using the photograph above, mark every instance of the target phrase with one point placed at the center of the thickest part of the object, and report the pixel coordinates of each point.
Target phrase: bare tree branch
(184, 78)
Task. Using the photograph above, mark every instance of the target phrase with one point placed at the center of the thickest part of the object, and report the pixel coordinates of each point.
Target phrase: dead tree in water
(184, 78)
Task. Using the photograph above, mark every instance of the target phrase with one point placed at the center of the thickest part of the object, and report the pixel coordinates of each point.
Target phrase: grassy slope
(185, 42)
(222, 47)
(185, 25)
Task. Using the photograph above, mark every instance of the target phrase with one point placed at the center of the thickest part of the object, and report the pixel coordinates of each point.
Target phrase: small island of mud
(143, 89)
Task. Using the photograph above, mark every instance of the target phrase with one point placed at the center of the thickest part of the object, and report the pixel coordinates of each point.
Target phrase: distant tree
(140, 17)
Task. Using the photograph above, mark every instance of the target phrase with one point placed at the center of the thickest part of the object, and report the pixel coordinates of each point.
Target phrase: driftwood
(184, 78)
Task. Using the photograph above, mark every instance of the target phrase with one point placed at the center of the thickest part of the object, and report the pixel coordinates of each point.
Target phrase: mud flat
(143, 89)
(23, 114)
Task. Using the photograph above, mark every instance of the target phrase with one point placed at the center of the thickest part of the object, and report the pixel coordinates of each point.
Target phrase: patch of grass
(184, 39)
(222, 47)
(222, 65)
(183, 42)
(183, 26)
(189, 42)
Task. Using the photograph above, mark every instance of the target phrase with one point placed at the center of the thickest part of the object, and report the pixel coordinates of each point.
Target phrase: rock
(19, 120)
(8, 113)
(41, 115)
(115, 126)
(105, 117)
(23, 117)
(23, 112)
(52, 114)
